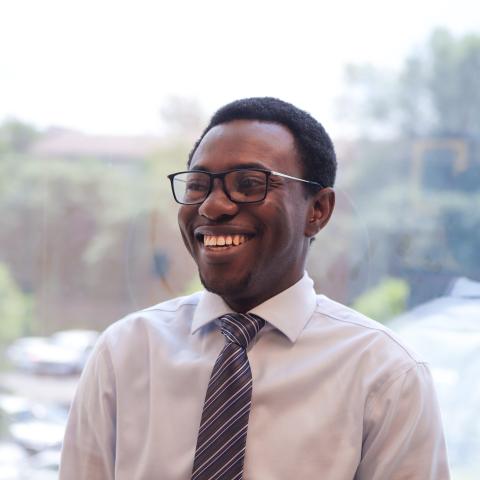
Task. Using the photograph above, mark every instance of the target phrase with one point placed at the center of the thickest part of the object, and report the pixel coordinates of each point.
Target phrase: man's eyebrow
(240, 166)
(198, 169)
(252, 165)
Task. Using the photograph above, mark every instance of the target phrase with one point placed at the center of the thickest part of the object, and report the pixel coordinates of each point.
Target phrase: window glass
(98, 103)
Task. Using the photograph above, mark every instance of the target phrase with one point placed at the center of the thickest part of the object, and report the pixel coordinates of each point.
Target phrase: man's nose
(217, 204)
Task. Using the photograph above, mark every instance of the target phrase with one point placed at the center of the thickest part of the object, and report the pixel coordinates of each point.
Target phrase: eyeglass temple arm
(295, 178)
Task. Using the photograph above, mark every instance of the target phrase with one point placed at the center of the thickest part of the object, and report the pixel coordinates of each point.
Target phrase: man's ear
(320, 211)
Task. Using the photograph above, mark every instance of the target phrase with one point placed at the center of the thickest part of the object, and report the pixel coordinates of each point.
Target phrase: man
(323, 392)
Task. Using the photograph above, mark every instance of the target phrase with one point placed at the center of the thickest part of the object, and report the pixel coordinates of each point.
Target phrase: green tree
(15, 308)
(435, 92)
(16, 136)
(385, 300)
(86, 231)
(414, 173)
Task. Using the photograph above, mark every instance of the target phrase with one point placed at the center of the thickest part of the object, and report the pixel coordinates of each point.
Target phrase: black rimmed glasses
(242, 185)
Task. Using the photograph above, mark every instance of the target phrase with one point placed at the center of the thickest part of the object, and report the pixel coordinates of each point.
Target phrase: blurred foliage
(53, 191)
(55, 188)
(75, 227)
(414, 172)
(15, 308)
(172, 158)
(435, 92)
(385, 300)
(16, 136)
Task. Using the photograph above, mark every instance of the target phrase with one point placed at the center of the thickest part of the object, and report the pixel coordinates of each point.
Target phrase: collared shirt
(335, 396)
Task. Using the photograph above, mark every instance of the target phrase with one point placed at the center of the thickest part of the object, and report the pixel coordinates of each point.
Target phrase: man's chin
(225, 287)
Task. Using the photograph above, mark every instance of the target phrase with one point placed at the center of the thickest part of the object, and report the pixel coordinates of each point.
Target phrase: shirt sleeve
(403, 431)
(88, 451)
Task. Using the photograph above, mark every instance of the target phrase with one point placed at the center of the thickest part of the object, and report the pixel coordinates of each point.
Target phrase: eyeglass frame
(221, 176)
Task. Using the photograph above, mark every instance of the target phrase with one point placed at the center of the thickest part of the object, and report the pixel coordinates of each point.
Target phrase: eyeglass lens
(242, 186)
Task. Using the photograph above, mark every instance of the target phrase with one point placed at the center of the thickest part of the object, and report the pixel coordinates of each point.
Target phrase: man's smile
(215, 240)
(224, 249)
(224, 240)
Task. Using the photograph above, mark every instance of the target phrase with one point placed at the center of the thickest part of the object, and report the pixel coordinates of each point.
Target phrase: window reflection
(89, 234)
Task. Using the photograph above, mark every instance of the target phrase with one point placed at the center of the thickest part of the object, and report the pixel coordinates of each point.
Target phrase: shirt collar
(289, 311)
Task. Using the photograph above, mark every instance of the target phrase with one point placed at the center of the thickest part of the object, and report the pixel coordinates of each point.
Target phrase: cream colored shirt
(336, 396)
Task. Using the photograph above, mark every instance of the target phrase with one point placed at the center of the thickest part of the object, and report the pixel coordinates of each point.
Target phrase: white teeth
(223, 240)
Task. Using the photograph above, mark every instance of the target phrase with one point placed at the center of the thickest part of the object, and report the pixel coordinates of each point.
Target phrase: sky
(109, 66)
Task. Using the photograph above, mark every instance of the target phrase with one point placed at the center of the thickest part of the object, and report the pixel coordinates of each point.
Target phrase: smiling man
(257, 377)
(273, 232)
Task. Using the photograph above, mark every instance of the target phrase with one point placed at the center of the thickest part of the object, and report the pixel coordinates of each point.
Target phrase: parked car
(36, 435)
(17, 464)
(14, 407)
(43, 466)
(63, 353)
(33, 426)
(76, 339)
(24, 352)
(446, 333)
(12, 461)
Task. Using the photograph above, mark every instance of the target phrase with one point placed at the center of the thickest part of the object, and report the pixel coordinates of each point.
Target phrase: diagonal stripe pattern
(223, 429)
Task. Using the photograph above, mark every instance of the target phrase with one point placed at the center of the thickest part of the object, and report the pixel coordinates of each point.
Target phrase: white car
(446, 333)
(63, 353)
(38, 435)
(12, 459)
(43, 466)
(34, 426)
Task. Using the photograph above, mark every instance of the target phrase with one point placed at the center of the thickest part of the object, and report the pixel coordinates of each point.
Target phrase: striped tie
(223, 430)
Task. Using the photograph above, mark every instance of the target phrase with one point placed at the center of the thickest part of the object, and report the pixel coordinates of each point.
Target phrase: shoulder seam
(104, 349)
(384, 332)
(178, 307)
(372, 396)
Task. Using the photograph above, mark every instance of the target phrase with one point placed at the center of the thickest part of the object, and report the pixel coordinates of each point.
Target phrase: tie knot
(241, 328)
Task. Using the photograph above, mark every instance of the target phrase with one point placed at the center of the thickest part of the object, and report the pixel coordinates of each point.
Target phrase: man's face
(272, 241)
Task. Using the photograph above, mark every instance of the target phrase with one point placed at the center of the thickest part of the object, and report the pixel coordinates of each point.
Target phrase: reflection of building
(445, 177)
(409, 211)
(78, 232)
(445, 164)
(336, 261)
(70, 144)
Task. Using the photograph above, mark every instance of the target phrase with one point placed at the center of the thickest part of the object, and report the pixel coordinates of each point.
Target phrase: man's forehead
(254, 129)
(248, 139)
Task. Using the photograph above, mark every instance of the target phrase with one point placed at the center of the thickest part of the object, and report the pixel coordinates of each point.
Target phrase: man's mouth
(219, 241)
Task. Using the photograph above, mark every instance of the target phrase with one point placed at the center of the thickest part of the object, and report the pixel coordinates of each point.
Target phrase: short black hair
(313, 143)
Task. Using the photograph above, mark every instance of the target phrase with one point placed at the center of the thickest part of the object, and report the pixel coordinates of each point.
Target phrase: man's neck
(243, 304)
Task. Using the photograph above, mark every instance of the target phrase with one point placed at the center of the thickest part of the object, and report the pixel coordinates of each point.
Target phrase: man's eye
(196, 186)
(250, 182)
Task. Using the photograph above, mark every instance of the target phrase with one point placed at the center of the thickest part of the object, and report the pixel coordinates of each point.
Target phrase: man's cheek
(187, 241)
